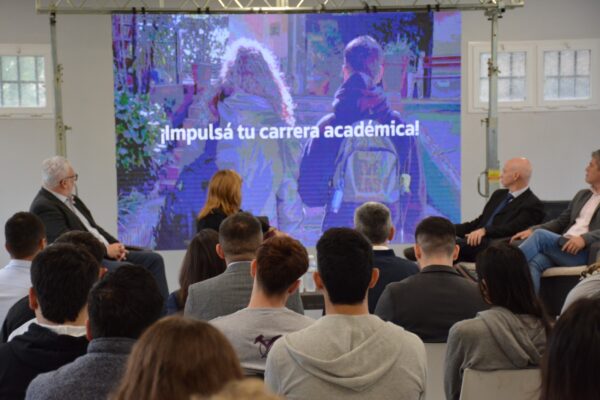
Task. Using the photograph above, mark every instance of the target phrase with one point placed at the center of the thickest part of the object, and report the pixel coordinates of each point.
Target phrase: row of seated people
(348, 353)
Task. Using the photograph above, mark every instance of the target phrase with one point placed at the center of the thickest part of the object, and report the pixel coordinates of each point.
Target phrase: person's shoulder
(473, 327)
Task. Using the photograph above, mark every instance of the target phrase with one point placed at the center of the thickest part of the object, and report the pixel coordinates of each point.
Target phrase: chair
(436, 356)
(519, 384)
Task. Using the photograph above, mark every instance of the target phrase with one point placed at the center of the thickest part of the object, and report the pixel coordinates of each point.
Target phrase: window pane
(551, 89)
(504, 64)
(40, 69)
(519, 63)
(503, 89)
(28, 95)
(42, 94)
(483, 66)
(567, 63)
(9, 68)
(483, 90)
(582, 88)
(518, 89)
(583, 62)
(27, 68)
(550, 63)
(566, 87)
(10, 94)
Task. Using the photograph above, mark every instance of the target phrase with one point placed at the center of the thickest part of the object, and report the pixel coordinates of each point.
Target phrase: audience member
(347, 353)
(25, 237)
(565, 240)
(374, 220)
(201, 262)
(247, 389)
(587, 287)
(20, 316)
(430, 302)
(62, 276)
(572, 359)
(280, 263)
(178, 357)
(507, 212)
(510, 335)
(120, 307)
(240, 235)
(61, 211)
(224, 198)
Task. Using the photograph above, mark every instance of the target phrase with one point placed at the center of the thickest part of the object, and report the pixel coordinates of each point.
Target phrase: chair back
(518, 384)
(436, 356)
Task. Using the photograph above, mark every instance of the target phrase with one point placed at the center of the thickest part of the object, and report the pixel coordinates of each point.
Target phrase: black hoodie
(37, 350)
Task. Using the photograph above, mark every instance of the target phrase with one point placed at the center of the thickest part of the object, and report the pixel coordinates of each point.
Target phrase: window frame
(34, 50)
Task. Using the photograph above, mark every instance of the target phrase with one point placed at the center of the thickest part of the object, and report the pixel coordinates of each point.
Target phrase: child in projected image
(252, 93)
(341, 174)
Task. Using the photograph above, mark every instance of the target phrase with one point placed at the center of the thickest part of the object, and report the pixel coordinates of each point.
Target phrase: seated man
(62, 211)
(62, 276)
(240, 236)
(25, 237)
(280, 263)
(430, 302)
(374, 220)
(565, 240)
(507, 212)
(347, 354)
(121, 306)
(20, 316)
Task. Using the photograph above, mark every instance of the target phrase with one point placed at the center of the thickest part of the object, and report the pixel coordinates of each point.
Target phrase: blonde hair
(249, 66)
(247, 389)
(224, 193)
(178, 357)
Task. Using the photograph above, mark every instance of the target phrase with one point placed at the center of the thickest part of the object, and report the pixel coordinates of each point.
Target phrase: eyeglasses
(74, 177)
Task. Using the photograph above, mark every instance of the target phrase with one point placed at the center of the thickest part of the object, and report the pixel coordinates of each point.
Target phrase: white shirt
(69, 203)
(519, 192)
(582, 222)
(69, 330)
(15, 281)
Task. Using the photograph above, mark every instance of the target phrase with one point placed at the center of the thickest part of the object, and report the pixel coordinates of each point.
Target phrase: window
(24, 73)
(538, 76)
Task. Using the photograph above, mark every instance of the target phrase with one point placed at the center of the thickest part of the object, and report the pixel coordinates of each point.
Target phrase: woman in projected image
(252, 94)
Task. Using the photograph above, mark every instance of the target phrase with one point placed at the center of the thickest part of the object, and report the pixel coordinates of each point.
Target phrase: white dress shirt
(15, 281)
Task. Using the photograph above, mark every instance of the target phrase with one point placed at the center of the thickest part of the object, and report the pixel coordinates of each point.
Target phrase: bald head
(516, 174)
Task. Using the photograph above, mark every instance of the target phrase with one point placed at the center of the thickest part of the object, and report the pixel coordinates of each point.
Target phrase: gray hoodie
(495, 339)
(349, 357)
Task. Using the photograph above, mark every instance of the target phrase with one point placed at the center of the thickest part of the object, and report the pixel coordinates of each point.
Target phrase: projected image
(317, 113)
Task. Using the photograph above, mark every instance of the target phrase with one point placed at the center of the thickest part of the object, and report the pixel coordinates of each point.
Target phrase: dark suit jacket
(391, 269)
(430, 302)
(567, 218)
(521, 213)
(58, 218)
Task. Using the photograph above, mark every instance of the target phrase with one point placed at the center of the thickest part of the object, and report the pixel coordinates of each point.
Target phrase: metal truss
(264, 6)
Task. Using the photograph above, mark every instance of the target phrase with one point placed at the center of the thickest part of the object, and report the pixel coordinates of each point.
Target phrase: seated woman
(176, 358)
(572, 359)
(201, 262)
(224, 198)
(510, 335)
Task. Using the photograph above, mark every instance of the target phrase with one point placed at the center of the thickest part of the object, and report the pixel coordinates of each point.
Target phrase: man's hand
(474, 238)
(574, 245)
(116, 251)
(522, 235)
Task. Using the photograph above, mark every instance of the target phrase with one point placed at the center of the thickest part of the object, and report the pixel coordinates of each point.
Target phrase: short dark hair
(240, 234)
(436, 236)
(124, 303)
(23, 233)
(596, 156)
(572, 357)
(280, 261)
(345, 263)
(508, 281)
(86, 240)
(364, 54)
(62, 276)
(374, 220)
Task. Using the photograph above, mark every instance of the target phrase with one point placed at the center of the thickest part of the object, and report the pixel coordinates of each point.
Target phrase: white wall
(558, 143)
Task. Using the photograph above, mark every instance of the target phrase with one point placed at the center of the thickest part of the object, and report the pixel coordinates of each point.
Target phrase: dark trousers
(151, 261)
(469, 253)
